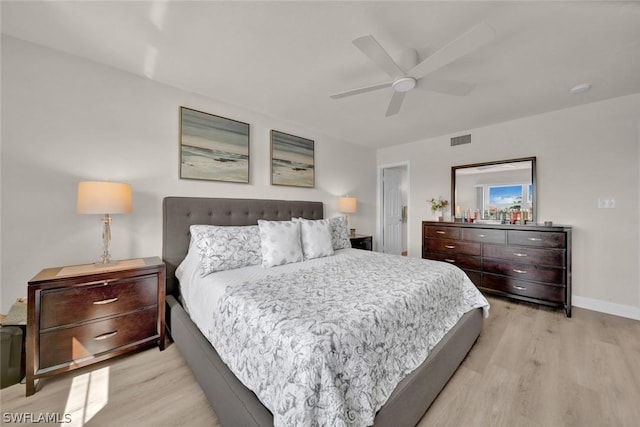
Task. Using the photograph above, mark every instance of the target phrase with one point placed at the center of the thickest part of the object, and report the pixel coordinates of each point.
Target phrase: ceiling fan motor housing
(404, 84)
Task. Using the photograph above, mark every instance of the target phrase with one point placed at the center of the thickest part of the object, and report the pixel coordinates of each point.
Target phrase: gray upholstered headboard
(179, 213)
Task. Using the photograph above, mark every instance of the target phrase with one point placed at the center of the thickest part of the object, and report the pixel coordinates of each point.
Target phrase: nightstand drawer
(67, 306)
(64, 345)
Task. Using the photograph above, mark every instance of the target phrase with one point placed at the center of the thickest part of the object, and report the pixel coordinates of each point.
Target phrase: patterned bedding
(327, 342)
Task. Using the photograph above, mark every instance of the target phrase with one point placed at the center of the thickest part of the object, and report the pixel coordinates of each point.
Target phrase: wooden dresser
(525, 262)
(79, 315)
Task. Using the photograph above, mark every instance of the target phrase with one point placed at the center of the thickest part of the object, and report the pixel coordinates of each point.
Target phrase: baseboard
(628, 311)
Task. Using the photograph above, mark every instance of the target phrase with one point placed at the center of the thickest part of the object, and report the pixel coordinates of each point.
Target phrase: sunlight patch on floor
(89, 393)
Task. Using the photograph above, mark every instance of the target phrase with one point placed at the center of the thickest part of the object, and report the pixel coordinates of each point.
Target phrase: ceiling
(284, 59)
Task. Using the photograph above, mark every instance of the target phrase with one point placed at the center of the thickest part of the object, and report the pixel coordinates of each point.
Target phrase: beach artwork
(213, 148)
(292, 160)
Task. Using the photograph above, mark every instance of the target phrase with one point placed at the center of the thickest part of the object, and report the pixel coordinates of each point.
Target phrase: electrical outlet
(606, 203)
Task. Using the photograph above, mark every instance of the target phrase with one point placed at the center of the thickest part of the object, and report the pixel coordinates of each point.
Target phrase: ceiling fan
(403, 81)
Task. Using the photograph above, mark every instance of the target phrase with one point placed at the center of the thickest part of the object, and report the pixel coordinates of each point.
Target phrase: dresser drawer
(442, 232)
(549, 257)
(453, 246)
(462, 261)
(81, 303)
(475, 276)
(525, 271)
(537, 239)
(484, 235)
(509, 285)
(68, 344)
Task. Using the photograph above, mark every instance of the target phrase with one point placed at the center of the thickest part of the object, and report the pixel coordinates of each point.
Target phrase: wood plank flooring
(531, 366)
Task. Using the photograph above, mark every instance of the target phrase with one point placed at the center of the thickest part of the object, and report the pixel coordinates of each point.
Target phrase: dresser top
(81, 270)
(528, 227)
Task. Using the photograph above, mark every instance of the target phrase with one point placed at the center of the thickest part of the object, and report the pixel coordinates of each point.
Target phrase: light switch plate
(606, 203)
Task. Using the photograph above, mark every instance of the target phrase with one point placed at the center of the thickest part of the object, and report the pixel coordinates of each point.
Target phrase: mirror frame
(534, 186)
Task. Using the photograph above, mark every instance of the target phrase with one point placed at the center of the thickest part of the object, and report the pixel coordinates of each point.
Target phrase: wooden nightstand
(82, 314)
(359, 241)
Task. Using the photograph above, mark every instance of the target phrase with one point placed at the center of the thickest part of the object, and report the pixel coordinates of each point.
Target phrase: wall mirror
(494, 190)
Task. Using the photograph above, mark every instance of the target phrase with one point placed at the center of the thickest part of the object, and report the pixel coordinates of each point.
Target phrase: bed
(234, 403)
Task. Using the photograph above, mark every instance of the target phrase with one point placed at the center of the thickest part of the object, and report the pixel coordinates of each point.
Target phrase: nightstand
(79, 315)
(359, 241)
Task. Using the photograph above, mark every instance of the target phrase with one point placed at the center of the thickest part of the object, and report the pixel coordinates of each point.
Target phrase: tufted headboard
(179, 213)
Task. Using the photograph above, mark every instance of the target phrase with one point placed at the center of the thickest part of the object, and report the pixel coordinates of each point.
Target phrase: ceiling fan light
(404, 84)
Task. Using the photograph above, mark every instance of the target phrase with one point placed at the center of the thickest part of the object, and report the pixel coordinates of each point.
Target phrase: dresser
(79, 315)
(526, 262)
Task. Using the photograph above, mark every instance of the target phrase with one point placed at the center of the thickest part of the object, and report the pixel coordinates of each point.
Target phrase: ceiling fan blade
(461, 46)
(370, 47)
(395, 103)
(359, 91)
(450, 87)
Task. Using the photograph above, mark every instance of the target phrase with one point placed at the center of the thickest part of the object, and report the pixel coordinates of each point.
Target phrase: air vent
(459, 140)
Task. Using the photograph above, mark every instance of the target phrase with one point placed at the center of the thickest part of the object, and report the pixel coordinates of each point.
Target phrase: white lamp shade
(103, 197)
(347, 204)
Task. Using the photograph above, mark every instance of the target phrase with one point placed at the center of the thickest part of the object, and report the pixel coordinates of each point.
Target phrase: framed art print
(292, 160)
(213, 148)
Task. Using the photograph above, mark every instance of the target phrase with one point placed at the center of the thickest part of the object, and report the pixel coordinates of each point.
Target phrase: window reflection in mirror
(495, 190)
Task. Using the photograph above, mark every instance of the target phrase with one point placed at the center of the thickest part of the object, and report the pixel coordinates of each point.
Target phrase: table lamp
(105, 198)
(347, 205)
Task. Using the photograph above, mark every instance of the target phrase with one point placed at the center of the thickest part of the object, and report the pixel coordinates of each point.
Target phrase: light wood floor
(531, 366)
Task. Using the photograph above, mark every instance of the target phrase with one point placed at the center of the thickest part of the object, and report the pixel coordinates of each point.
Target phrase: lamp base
(105, 264)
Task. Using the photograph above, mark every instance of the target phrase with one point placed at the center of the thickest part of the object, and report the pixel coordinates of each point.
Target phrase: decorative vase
(439, 215)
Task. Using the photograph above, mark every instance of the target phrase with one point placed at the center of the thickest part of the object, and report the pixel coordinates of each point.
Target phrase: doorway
(394, 208)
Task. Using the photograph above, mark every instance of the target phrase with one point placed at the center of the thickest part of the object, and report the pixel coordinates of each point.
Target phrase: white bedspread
(326, 341)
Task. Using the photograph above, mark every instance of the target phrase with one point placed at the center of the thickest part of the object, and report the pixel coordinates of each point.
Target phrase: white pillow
(316, 237)
(339, 236)
(225, 248)
(280, 242)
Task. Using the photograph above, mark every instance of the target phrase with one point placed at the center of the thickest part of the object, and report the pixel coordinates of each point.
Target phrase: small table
(361, 241)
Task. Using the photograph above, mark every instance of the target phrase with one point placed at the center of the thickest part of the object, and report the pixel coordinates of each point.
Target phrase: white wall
(583, 153)
(66, 119)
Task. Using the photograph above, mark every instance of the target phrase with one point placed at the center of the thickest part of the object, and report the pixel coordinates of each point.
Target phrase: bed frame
(235, 404)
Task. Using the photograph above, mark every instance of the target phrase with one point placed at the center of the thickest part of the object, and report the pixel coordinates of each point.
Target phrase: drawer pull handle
(449, 246)
(522, 288)
(106, 301)
(105, 336)
(439, 232)
(519, 254)
(450, 260)
(520, 271)
(535, 239)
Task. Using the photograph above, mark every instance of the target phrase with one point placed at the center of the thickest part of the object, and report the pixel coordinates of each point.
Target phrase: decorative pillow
(339, 235)
(226, 247)
(280, 242)
(316, 237)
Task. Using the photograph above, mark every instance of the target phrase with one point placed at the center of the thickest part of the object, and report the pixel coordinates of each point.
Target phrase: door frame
(380, 216)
